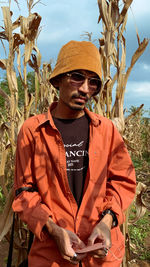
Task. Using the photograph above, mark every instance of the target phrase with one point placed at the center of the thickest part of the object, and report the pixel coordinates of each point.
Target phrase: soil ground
(3, 253)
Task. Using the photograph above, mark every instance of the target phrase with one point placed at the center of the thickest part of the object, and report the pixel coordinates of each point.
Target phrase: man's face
(72, 92)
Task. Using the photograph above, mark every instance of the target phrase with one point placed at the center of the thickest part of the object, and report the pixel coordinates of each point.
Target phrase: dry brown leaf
(19, 63)
(3, 63)
(124, 12)
(123, 26)
(140, 208)
(146, 197)
(38, 56)
(18, 40)
(35, 63)
(114, 13)
(136, 56)
(119, 123)
(139, 51)
(16, 24)
(30, 102)
(7, 22)
(12, 79)
(5, 96)
(4, 155)
(28, 50)
(6, 217)
(103, 8)
(30, 25)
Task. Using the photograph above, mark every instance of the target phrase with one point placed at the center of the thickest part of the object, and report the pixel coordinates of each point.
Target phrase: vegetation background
(23, 94)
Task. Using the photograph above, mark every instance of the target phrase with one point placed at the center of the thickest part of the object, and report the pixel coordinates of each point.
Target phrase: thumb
(70, 252)
(91, 239)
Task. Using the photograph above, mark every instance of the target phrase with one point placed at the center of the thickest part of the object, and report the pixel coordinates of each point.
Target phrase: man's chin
(77, 107)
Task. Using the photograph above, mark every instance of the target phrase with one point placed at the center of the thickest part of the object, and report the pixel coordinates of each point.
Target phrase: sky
(65, 20)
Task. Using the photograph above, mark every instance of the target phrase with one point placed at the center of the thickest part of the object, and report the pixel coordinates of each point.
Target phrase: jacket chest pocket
(98, 165)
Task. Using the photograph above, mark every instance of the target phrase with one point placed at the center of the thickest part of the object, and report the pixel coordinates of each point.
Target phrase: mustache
(81, 94)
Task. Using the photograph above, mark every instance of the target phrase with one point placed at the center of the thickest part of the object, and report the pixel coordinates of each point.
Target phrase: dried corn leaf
(38, 56)
(101, 41)
(19, 63)
(30, 102)
(3, 63)
(29, 4)
(35, 63)
(119, 123)
(103, 8)
(114, 13)
(30, 25)
(6, 217)
(5, 96)
(140, 208)
(4, 155)
(20, 120)
(28, 50)
(134, 113)
(136, 56)
(139, 51)
(124, 12)
(18, 40)
(3, 127)
(121, 71)
(16, 24)
(3, 35)
(123, 26)
(7, 22)
(146, 197)
(12, 79)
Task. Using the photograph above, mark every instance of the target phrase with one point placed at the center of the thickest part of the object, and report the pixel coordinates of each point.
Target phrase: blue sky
(65, 20)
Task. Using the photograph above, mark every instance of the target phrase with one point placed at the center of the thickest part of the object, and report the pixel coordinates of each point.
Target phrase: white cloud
(138, 89)
(146, 67)
(53, 36)
(140, 8)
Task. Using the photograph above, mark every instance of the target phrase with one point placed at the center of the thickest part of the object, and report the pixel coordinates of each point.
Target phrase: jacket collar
(45, 117)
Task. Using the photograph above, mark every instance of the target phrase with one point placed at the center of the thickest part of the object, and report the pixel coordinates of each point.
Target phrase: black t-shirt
(75, 135)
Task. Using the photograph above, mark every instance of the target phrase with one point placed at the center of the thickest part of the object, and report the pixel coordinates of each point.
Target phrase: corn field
(23, 32)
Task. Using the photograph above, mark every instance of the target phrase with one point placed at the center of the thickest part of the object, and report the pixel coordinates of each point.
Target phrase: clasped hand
(68, 242)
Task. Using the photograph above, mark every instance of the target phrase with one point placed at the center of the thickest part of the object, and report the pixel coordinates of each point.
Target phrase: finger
(75, 262)
(100, 253)
(74, 259)
(91, 239)
(81, 245)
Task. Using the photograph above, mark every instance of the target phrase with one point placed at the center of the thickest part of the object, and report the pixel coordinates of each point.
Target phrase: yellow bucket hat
(77, 55)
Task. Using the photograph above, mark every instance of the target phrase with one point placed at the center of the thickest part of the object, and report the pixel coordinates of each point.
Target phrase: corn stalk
(113, 17)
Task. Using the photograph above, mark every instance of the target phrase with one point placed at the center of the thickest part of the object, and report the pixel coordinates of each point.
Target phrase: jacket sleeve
(121, 182)
(28, 205)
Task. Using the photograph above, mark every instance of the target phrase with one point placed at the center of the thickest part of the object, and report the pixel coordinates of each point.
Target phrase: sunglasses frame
(92, 89)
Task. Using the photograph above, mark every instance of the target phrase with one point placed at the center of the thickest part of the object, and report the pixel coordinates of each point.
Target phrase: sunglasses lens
(93, 82)
(77, 77)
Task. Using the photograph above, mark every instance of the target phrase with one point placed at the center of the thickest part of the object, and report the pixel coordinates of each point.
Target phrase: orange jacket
(110, 184)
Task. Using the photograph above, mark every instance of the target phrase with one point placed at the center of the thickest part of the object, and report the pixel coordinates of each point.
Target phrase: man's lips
(81, 99)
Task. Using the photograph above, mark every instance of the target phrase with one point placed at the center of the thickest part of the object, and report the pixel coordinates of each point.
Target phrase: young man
(74, 177)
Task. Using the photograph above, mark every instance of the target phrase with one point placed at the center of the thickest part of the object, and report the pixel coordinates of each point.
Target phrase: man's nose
(85, 86)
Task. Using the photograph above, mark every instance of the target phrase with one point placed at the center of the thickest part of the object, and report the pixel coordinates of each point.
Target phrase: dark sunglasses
(79, 78)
